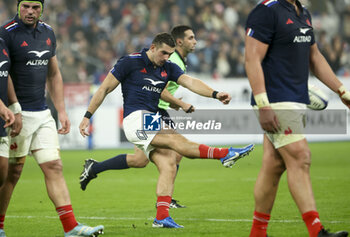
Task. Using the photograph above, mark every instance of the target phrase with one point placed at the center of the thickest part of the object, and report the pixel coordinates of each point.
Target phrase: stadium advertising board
(211, 123)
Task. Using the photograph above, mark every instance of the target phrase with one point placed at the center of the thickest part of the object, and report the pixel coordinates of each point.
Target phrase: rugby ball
(318, 99)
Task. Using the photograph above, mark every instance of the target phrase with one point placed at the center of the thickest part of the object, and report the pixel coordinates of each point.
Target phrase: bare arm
(11, 92)
(16, 127)
(254, 55)
(55, 87)
(176, 103)
(255, 52)
(321, 69)
(107, 86)
(197, 86)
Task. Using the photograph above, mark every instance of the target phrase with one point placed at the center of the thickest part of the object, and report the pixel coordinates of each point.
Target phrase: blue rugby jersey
(289, 36)
(4, 71)
(30, 51)
(142, 82)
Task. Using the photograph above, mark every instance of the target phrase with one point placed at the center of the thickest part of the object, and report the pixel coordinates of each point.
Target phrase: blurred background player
(6, 116)
(32, 47)
(185, 43)
(143, 77)
(280, 50)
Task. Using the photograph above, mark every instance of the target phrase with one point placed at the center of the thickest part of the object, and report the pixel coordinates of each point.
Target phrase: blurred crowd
(93, 34)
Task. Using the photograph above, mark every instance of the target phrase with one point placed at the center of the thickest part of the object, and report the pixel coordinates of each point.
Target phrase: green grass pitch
(219, 201)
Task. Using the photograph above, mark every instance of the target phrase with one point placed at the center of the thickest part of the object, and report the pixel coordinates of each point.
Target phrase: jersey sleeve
(309, 22)
(54, 44)
(120, 69)
(175, 72)
(5, 36)
(4, 50)
(260, 24)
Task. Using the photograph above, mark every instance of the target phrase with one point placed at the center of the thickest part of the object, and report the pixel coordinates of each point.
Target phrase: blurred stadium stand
(93, 34)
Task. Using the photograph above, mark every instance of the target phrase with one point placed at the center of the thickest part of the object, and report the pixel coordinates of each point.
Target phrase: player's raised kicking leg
(189, 149)
(139, 160)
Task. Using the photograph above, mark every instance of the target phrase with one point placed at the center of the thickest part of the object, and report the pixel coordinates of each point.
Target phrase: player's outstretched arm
(6, 115)
(176, 103)
(255, 52)
(107, 86)
(197, 86)
(321, 69)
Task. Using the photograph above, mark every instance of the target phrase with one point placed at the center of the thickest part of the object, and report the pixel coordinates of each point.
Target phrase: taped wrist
(16, 108)
(262, 100)
(344, 93)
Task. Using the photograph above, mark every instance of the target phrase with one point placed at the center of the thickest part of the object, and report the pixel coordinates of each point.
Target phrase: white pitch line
(181, 219)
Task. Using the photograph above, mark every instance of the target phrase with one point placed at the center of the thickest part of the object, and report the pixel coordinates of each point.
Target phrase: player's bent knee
(304, 156)
(17, 160)
(46, 155)
(14, 172)
(142, 163)
(138, 163)
(52, 169)
(301, 160)
(306, 162)
(178, 158)
(137, 160)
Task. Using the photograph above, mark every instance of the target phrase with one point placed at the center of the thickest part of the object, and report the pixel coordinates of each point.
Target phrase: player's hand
(224, 97)
(17, 125)
(174, 106)
(83, 126)
(65, 123)
(7, 116)
(188, 108)
(268, 120)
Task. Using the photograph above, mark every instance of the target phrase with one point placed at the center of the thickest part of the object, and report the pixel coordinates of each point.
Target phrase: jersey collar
(290, 6)
(145, 57)
(28, 29)
(183, 60)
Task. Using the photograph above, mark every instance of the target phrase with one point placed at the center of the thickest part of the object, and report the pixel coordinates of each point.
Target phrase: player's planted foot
(165, 223)
(2, 233)
(175, 204)
(84, 230)
(325, 233)
(87, 173)
(234, 154)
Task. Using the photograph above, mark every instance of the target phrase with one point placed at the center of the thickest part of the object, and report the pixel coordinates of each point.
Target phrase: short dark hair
(178, 32)
(163, 38)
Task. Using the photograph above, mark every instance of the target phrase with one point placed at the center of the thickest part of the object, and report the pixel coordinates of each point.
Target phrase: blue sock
(116, 163)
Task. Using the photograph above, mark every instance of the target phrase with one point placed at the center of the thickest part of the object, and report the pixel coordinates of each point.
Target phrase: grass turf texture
(219, 201)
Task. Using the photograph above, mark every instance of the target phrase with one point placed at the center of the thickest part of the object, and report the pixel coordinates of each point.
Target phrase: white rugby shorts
(291, 116)
(38, 132)
(4, 147)
(133, 129)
